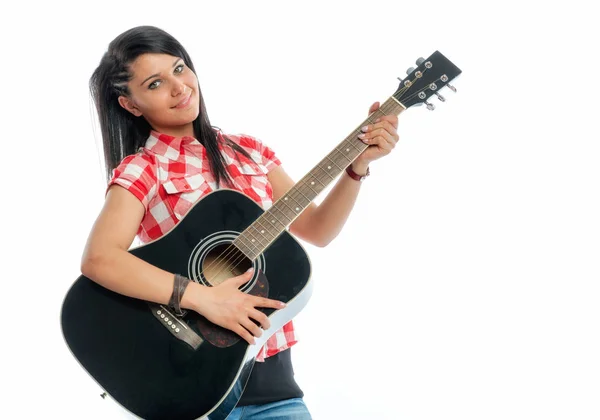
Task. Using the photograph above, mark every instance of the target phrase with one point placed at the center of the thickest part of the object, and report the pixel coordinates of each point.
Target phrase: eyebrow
(158, 74)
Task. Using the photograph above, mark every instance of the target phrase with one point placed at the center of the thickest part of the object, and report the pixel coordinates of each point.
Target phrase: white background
(465, 284)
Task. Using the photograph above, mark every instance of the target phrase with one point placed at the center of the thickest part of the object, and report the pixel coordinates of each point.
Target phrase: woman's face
(165, 92)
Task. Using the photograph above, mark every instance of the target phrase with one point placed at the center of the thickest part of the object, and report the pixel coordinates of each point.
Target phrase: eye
(178, 70)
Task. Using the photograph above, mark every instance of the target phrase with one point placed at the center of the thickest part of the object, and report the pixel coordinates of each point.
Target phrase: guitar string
(230, 251)
(224, 256)
(226, 253)
(423, 89)
(230, 265)
(226, 263)
(238, 256)
(232, 248)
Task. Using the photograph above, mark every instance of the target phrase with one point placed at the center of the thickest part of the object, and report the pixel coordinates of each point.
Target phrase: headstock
(431, 75)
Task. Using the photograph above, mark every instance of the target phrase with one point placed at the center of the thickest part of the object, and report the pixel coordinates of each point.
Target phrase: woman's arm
(319, 225)
(106, 261)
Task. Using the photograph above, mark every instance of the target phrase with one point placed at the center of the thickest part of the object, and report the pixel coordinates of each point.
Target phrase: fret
(347, 160)
(308, 200)
(276, 208)
(329, 157)
(357, 146)
(262, 233)
(256, 236)
(290, 211)
(296, 209)
(318, 178)
(290, 196)
(265, 230)
(298, 200)
(250, 250)
(272, 219)
(249, 235)
(326, 172)
(250, 241)
(308, 192)
(317, 186)
(240, 243)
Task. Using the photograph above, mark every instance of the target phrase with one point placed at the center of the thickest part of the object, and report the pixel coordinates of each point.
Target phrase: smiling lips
(184, 102)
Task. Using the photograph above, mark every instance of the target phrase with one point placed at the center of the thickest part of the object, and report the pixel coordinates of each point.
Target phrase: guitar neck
(266, 228)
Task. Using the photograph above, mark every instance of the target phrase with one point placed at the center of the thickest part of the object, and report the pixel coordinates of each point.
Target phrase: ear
(129, 105)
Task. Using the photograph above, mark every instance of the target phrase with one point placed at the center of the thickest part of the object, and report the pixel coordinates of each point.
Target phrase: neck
(176, 131)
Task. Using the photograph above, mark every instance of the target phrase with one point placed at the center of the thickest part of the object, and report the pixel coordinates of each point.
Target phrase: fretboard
(267, 227)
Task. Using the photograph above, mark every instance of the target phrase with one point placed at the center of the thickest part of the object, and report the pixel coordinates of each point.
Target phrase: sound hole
(223, 262)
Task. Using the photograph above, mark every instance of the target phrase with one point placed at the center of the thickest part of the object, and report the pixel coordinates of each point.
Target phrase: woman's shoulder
(141, 158)
(258, 152)
(244, 140)
(137, 165)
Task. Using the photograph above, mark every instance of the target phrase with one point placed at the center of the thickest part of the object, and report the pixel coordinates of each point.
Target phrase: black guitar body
(134, 356)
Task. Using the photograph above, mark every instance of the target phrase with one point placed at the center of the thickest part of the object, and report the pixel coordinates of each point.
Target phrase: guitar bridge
(175, 325)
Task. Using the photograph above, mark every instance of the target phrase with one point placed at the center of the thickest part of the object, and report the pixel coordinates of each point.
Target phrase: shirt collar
(166, 145)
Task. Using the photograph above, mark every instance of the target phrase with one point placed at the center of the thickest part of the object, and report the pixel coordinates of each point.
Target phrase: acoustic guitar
(158, 365)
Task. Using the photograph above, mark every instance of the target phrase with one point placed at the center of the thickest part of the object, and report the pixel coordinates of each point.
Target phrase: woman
(156, 131)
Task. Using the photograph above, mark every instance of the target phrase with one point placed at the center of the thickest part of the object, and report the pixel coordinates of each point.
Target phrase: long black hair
(123, 133)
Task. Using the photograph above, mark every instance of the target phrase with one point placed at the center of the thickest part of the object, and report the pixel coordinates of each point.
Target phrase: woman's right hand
(228, 307)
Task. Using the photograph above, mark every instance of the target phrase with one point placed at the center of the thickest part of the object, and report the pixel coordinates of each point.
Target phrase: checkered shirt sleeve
(137, 174)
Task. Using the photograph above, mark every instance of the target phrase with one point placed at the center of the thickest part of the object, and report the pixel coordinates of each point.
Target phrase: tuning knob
(420, 61)
(440, 97)
(410, 70)
(452, 88)
(430, 107)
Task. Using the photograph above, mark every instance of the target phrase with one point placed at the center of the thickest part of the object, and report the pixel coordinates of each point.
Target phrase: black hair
(123, 133)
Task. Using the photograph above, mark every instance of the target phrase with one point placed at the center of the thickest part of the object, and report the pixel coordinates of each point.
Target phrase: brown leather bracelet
(356, 176)
(180, 283)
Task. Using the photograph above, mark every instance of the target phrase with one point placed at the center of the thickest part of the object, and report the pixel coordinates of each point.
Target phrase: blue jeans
(292, 409)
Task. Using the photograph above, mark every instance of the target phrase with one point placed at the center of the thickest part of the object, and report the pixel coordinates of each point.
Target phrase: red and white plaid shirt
(169, 174)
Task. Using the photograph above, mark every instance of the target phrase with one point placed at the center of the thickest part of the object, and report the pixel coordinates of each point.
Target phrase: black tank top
(270, 381)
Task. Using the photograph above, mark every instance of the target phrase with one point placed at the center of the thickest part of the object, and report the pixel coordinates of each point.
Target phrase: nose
(178, 88)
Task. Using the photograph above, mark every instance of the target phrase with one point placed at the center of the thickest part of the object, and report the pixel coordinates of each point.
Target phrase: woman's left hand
(381, 138)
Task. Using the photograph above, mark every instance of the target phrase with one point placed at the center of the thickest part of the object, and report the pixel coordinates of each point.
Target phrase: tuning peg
(452, 88)
(440, 97)
(410, 70)
(430, 107)
(399, 78)
(420, 61)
